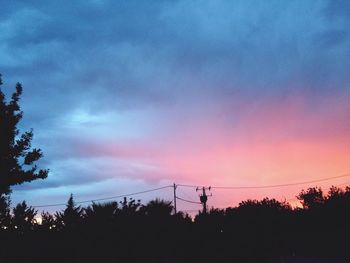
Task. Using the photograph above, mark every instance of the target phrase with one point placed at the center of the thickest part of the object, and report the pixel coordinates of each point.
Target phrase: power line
(270, 186)
(188, 201)
(184, 193)
(196, 186)
(106, 198)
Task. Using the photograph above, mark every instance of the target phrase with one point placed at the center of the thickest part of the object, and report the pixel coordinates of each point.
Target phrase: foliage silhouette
(311, 198)
(23, 217)
(71, 216)
(106, 211)
(129, 207)
(264, 230)
(99, 216)
(158, 208)
(17, 157)
(47, 221)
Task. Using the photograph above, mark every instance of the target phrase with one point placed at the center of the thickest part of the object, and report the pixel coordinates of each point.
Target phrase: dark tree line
(254, 231)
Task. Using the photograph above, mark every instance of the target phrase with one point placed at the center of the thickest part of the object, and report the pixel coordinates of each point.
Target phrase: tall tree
(71, 216)
(17, 157)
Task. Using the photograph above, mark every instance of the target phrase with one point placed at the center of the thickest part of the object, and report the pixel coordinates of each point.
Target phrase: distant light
(39, 220)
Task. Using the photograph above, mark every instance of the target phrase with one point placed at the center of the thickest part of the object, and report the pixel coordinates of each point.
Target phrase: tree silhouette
(264, 230)
(23, 217)
(335, 193)
(71, 216)
(17, 158)
(47, 221)
(158, 208)
(311, 198)
(129, 207)
(101, 213)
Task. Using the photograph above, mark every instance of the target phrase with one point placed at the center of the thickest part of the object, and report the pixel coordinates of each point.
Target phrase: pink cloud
(274, 141)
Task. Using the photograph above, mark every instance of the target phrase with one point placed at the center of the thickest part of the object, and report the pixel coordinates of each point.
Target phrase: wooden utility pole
(204, 197)
(175, 210)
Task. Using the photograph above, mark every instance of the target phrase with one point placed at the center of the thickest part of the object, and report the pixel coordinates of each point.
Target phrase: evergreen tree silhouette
(23, 217)
(71, 216)
(17, 157)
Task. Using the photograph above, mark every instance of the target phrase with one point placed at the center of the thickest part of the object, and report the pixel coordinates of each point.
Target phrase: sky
(125, 96)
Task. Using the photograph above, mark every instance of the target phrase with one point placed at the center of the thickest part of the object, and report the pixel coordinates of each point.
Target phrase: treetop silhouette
(311, 198)
(17, 157)
(71, 216)
(23, 217)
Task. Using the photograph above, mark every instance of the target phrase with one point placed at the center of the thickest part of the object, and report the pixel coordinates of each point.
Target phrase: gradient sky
(128, 95)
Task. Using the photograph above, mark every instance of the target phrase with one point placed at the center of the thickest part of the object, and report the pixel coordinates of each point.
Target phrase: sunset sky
(125, 96)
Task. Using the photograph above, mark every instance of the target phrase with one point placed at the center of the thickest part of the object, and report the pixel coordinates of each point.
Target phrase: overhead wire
(188, 201)
(184, 193)
(270, 186)
(281, 185)
(196, 186)
(106, 198)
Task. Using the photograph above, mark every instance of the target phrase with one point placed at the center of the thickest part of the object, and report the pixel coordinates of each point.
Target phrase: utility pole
(204, 197)
(175, 210)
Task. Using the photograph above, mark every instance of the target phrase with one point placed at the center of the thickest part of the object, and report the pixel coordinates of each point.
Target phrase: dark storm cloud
(132, 52)
(60, 48)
